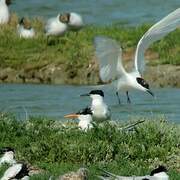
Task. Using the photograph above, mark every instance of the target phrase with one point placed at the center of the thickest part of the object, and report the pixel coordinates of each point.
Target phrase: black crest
(23, 172)
(85, 111)
(6, 149)
(8, 2)
(99, 92)
(21, 22)
(142, 82)
(158, 170)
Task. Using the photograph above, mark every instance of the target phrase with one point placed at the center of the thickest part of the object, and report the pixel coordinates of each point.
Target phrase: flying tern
(109, 56)
(99, 108)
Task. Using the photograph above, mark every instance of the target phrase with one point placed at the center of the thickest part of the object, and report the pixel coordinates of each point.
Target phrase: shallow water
(100, 12)
(57, 100)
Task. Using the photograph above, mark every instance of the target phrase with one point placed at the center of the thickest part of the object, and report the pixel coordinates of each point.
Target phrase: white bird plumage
(109, 56)
(75, 21)
(4, 11)
(25, 31)
(55, 26)
(16, 171)
(8, 156)
(85, 118)
(99, 108)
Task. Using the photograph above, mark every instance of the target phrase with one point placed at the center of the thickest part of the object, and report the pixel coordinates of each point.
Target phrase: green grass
(75, 50)
(49, 145)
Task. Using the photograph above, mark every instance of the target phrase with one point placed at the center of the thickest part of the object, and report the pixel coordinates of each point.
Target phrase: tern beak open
(84, 95)
(150, 92)
(71, 116)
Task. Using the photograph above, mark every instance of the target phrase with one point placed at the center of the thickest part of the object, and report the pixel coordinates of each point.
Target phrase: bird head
(64, 18)
(25, 23)
(7, 150)
(143, 85)
(95, 94)
(8, 2)
(158, 170)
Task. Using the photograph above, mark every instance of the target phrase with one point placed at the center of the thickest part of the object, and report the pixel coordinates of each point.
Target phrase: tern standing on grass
(56, 26)
(109, 55)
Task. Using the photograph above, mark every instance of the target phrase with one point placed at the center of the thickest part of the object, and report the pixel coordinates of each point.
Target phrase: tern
(109, 56)
(157, 174)
(74, 20)
(99, 108)
(56, 26)
(85, 118)
(24, 29)
(17, 171)
(8, 156)
(4, 11)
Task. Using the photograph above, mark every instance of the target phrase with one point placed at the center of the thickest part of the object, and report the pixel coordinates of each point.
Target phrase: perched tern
(157, 174)
(99, 108)
(8, 155)
(4, 11)
(85, 118)
(74, 20)
(56, 26)
(109, 55)
(24, 29)
(17, 171)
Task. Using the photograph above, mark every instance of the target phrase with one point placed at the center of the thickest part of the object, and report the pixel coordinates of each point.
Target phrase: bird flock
(109, 57)
(55, 26)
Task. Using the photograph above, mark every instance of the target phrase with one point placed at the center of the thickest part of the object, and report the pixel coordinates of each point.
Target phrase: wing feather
(109, 54)
(156, 32)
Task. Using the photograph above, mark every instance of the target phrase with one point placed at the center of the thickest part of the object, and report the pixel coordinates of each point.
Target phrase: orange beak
(71, 116)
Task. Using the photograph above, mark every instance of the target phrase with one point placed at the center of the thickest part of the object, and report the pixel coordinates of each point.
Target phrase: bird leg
(119, 101)
(128, 98)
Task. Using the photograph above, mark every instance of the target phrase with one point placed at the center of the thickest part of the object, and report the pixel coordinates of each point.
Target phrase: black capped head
(6, 149)
(8, 2)
(25, 23)
(85, 111)
(158, 170)
(97, 92)
(64, 18)
(21, 22)
(142, 82)
(23, 172)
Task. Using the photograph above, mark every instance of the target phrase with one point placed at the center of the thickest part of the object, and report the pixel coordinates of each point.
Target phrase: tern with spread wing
(109, 55)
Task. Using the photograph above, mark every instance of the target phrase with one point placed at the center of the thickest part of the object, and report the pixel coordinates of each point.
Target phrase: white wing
(156, 32)
(12, 171)
(109, 55)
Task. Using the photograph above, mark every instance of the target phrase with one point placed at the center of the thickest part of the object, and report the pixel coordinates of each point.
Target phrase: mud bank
(157, 76)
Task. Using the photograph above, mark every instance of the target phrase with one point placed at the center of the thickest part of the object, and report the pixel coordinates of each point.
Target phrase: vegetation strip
(58, 148)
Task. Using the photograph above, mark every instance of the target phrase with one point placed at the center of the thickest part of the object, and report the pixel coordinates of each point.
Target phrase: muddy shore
(157, 76)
